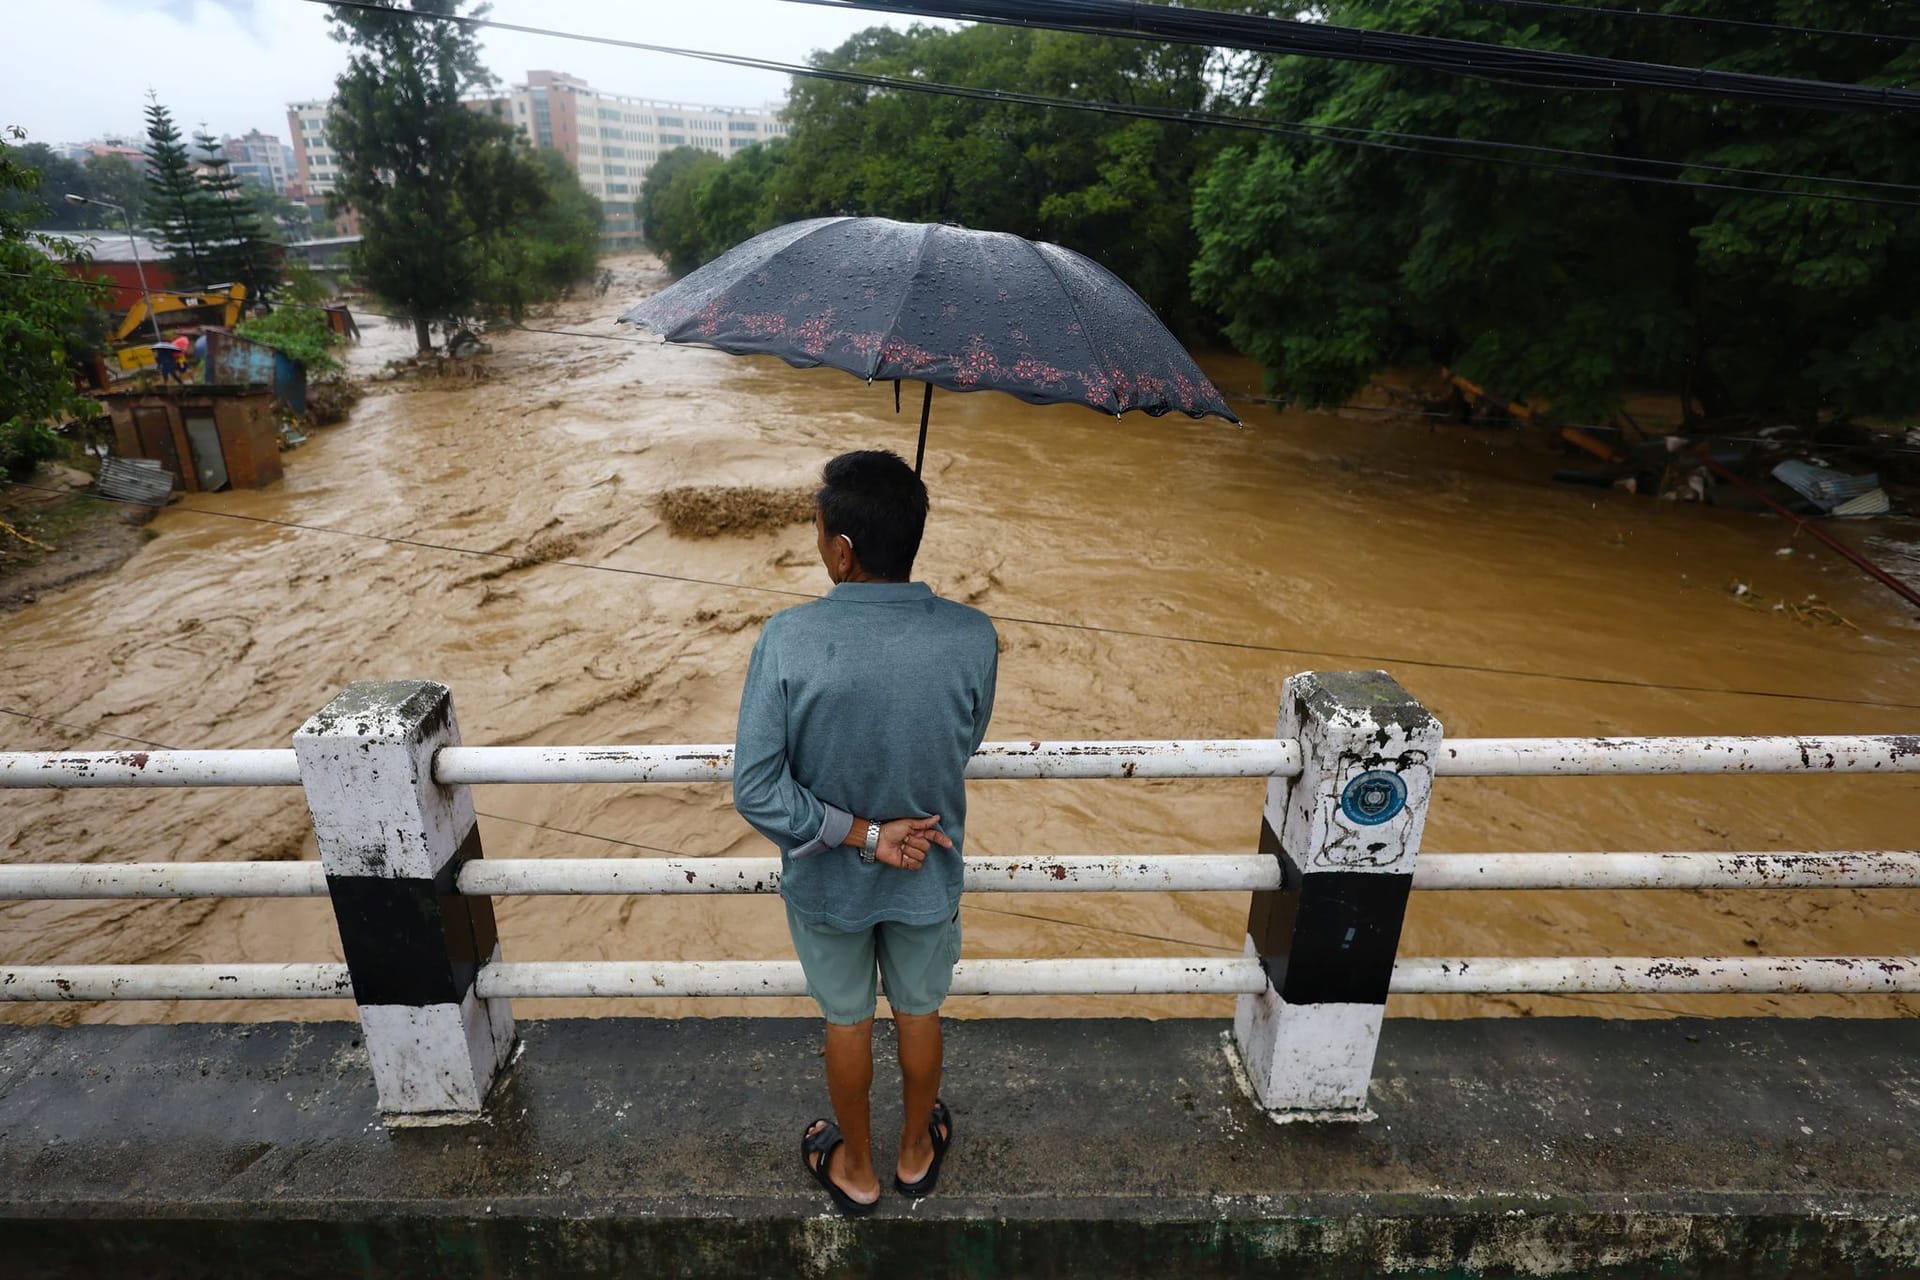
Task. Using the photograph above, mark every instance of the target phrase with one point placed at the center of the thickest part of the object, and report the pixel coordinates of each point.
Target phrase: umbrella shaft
(926, 409)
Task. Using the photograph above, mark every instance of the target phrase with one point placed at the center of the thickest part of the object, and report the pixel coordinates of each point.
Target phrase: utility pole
(152, 319)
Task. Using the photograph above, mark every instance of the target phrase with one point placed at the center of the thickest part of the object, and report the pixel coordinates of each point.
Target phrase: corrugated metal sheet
(135, 480)
(1823, 486)
(1873, 502)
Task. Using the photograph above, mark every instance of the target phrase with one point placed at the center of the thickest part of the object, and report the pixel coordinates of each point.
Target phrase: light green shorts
(915, 961)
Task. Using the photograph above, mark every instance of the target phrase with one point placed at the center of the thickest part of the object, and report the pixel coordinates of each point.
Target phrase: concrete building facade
(316, 168)
(261, 158)
(610, 139)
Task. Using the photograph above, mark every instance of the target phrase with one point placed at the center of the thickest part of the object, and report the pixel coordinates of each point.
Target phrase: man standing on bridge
(866, 703)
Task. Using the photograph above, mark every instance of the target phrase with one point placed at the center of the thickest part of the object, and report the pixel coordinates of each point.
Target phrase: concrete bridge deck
(1736, 1147)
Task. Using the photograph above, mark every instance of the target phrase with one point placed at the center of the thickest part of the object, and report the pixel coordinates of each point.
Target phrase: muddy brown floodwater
(1323, 536)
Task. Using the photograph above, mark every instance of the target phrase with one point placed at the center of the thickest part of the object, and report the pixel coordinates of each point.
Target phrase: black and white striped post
(392, 841)
(1346, 832)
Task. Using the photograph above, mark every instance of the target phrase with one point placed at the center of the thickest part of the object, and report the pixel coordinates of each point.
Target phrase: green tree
(437, 186)
(668, 210)
(742, 198)
(44, 311)
(1330, 261)
(240, 248)
(181, 212)
(555, 245)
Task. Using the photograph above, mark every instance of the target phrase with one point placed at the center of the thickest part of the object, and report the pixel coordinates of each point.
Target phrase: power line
(1380, 660)
(1705, 21)
(1258, 33)
(1299, 130)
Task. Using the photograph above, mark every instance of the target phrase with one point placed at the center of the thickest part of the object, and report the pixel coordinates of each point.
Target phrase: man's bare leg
(918, 1036)
(849, 1080)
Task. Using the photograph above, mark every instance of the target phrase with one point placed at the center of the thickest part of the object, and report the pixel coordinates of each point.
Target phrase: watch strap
(869, 851)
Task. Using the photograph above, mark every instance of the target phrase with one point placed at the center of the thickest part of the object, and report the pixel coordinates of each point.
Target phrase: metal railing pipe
(176, 982)
(163, 880)
(687, 978)
(1589, 757)
(1184, 873)
(713, 762)
(1863, 869)
(66, 769)
(1043, 873)
(1655, 975)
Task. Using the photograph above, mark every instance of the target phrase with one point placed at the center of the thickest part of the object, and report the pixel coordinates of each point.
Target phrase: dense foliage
(46, 321)
(1329, 261)
(458, 219)
(1113, 187)
(300, 331)
(111, 178)
(669, 215)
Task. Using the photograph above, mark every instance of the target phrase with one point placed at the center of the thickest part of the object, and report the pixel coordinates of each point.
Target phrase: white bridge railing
(1349, 778)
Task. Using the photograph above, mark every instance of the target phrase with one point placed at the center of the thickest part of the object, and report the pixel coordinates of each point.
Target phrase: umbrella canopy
(954, 308)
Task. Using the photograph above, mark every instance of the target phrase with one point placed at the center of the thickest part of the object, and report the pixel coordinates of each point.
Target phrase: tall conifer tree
(177, 204)
(241, 250)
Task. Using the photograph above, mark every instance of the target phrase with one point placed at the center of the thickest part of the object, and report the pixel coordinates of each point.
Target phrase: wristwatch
(869, 852)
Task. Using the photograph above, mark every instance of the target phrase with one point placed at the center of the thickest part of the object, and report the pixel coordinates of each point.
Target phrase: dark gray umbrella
(939, 304)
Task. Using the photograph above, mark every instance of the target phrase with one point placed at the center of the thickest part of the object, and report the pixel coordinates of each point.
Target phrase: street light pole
(152, 318)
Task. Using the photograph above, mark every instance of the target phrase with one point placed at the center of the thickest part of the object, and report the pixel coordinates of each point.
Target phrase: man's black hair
(874, 498)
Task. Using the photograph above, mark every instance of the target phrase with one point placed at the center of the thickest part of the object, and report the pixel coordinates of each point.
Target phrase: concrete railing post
(1345, 832)
(391, 842)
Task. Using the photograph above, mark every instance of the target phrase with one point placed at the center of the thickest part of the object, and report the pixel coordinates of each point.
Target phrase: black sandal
(822, 1144)
(924, 1186)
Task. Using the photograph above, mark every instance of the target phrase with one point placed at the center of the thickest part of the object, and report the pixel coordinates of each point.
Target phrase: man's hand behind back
(905, 842)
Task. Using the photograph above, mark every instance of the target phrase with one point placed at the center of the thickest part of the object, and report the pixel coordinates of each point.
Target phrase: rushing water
(1341, 542)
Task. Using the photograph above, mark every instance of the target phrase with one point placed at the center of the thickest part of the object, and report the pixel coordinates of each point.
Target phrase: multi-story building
(314, 164)
(610, 139)
(261, 158)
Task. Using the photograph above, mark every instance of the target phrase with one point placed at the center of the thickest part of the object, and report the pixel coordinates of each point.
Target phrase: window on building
(673, 140)
(616, 171)
(617, 188)
(618, 153)
(673, 122)
(742, 126)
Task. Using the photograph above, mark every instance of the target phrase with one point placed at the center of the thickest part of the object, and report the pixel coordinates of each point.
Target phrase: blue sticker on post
(1374, 797)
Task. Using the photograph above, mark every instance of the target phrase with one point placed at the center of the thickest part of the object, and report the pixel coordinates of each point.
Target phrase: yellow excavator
(131, 342)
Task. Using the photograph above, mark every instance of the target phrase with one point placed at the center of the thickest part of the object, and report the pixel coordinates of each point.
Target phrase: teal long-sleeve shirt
(867, 701)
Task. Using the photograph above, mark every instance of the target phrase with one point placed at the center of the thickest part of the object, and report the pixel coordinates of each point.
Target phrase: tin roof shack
(211, 436)
(234, 360)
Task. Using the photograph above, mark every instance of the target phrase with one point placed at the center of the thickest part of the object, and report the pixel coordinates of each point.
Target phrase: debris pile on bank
(708, 511)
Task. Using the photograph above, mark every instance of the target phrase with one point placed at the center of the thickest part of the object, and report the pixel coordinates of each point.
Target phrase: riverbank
(1152, 578)
(55, 534)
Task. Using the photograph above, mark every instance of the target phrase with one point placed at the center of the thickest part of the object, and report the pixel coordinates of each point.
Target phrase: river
(1439, 553)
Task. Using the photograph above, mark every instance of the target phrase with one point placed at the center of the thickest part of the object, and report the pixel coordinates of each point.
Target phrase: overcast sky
(76, 69)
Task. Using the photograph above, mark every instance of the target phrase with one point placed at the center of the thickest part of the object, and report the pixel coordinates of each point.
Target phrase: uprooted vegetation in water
(708, 511)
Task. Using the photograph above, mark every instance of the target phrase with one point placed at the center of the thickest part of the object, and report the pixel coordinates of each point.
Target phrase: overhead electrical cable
(1703, 20)
(1304, 131)
(1257, 33)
